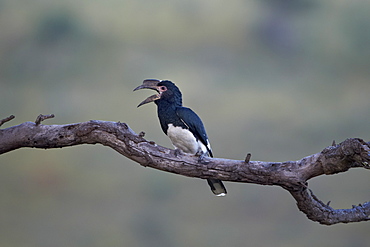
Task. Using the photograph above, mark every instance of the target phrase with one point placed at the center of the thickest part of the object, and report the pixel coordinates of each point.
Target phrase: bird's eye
(163, 88)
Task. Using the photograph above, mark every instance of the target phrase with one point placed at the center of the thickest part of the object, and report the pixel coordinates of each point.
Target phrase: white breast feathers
(184, 140)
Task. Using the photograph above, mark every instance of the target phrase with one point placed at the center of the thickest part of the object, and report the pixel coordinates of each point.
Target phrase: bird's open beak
(149, 84)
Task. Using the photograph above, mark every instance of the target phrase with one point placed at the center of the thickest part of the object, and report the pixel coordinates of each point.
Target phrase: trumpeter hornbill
(183, 126)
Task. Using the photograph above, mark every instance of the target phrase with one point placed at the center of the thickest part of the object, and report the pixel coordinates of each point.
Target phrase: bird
(181, 124)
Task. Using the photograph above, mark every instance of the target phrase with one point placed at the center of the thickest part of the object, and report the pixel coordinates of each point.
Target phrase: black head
(167, 91)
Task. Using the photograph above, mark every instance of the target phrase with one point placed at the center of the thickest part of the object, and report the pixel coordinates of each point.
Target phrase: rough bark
(290, 175)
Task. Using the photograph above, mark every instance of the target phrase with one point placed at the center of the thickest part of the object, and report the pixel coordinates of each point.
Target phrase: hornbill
(182, 125)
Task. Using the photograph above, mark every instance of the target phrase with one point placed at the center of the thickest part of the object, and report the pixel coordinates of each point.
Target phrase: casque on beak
(149, 84)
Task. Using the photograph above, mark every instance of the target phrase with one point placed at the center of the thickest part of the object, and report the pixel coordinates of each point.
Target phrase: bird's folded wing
(195, 125)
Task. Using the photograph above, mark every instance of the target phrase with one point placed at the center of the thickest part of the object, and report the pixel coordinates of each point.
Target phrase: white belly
(184, 140)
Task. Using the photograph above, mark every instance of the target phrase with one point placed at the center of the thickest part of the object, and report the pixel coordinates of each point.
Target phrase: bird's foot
(177, 152)
(201, 157)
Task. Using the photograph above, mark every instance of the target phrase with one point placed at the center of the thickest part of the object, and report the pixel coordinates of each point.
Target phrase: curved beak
(149, 84)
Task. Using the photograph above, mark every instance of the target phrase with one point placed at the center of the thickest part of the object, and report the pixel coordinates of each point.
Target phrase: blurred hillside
(281, 79)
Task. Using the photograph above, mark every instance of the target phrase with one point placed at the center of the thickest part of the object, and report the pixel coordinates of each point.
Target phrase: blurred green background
(281, 79)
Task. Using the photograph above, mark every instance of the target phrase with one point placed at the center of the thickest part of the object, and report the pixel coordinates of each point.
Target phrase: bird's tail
(217, 187)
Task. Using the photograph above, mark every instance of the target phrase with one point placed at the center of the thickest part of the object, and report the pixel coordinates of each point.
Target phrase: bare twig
(7, 119)
(41, 118)
(248, 158)
(142, 134)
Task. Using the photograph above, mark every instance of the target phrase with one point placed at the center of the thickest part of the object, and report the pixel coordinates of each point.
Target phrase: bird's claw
(201, 157)
(177, 152)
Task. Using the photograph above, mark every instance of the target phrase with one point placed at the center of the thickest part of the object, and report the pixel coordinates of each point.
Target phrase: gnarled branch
(290, 175)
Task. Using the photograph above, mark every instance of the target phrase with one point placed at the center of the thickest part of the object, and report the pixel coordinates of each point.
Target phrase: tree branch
(290, 175)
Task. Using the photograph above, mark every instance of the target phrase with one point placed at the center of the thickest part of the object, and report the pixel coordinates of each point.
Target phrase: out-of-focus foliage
(278, 78)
